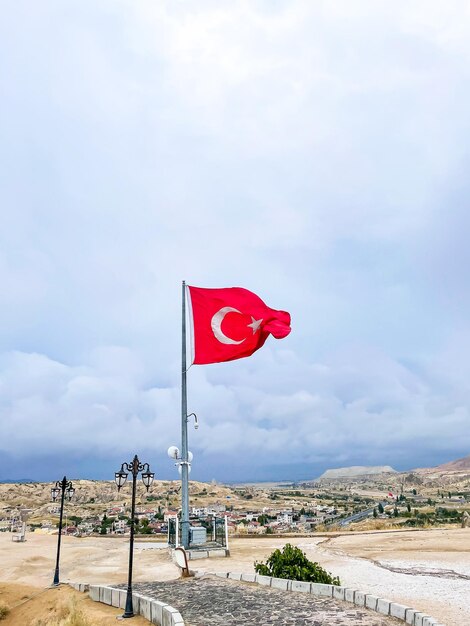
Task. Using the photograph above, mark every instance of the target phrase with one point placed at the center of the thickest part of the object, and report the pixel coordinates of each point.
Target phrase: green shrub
(292, 564)
(4, 610)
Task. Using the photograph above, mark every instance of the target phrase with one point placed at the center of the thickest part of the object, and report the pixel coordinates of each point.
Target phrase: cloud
(312, 153)
(358, 405)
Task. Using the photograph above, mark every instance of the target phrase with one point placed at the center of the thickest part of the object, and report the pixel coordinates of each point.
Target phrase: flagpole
(184, 432)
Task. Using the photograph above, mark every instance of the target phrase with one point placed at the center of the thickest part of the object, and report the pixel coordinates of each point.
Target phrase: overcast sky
(316, 153)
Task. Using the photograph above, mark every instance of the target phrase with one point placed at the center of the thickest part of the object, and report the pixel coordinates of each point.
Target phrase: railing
(221, 531)
(215, 535)
(173, 532)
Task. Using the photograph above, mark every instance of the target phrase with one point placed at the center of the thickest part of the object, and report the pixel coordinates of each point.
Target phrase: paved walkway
(215, 602)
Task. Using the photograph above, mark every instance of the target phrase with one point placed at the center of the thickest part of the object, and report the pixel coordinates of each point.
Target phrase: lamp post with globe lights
(62, 487)
(134, 467)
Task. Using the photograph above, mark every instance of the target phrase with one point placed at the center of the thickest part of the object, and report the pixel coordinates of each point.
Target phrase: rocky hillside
(451, 476)
(94, 496)
(460, 465)
(455, 474)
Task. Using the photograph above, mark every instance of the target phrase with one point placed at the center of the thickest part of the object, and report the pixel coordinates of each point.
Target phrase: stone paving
(214, 601)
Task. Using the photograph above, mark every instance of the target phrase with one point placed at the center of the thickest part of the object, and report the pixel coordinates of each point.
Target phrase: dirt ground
(425, 569)
(32, 604)
(88, 559)
(429, 569)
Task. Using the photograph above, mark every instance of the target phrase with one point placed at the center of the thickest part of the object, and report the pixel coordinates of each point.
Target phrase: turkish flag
(232, 323)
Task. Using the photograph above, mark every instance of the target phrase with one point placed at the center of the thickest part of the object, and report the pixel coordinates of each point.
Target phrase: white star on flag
(255, 324)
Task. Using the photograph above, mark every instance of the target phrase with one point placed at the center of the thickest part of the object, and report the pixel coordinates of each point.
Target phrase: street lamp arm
(196, 423)
(64, 484)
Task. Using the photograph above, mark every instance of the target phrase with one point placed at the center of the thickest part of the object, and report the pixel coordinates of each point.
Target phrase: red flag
(232, 323)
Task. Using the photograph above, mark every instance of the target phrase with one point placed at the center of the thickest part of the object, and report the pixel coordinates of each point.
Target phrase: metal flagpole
(184, 435)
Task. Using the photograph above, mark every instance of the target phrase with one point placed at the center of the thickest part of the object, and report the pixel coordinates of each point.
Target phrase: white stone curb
(359, 598)
(156, 612)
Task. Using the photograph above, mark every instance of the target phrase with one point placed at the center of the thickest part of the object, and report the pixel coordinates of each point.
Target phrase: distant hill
(453, 475)
(11, 481)
(459, 465)
(356, 470)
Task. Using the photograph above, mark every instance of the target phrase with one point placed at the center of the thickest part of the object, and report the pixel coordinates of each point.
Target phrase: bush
(4, 610)
(292, 564)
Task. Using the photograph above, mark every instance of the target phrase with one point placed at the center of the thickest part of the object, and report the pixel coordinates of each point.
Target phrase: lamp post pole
(61, 487)
(134, 467)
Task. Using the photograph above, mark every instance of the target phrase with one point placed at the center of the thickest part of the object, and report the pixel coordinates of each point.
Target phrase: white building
(120, 526)
(284, 518)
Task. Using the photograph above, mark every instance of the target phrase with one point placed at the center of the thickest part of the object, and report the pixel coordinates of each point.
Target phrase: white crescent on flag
(216, 324)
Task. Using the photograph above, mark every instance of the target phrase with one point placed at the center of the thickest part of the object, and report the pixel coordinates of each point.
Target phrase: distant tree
(375, 512)
(106, 523)
(414, 492)
(408, 506)
(380, 508)
(144, 528)
(395, 512)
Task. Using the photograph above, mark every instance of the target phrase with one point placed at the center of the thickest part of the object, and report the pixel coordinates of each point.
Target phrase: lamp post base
(56, 578)
(129, 612)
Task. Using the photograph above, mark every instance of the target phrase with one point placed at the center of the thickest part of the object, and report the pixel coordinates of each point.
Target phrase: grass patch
(68, 614)
(4, 610)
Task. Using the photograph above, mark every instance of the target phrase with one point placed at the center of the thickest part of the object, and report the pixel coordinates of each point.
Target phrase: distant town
(335, 502)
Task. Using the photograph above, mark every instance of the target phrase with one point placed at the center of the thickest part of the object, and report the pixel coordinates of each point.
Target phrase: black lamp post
(134, 467)
(61, 487)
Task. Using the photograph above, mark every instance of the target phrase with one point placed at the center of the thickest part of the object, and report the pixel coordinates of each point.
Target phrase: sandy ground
(429, 570)
(30, 605)
(91, 559)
